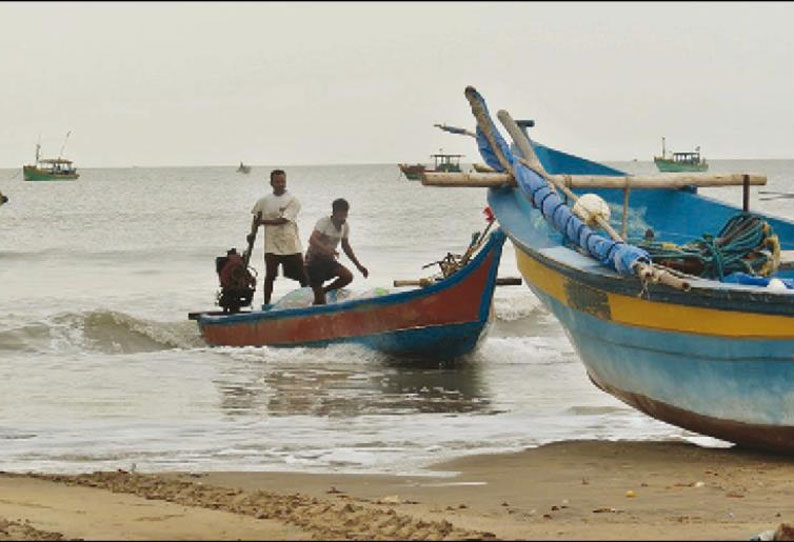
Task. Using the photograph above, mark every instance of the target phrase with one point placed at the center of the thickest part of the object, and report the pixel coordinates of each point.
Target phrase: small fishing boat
(441, 163)
(244, 169)
(440, 319)
(50, 169)
(687, 314)
(680, 161)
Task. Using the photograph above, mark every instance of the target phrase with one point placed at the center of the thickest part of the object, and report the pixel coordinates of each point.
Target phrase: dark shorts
(321, 269)
(292, 264)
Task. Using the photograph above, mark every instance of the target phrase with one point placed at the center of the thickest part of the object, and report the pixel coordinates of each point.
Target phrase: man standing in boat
(279, 212)
(321, 256)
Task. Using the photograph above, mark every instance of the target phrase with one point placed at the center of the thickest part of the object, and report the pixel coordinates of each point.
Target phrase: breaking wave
(102, 331)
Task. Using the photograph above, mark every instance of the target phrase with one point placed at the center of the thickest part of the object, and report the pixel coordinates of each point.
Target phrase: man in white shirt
(279, 212)
(321, 256)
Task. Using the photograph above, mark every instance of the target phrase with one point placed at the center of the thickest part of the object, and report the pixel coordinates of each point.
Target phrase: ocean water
(101, 369)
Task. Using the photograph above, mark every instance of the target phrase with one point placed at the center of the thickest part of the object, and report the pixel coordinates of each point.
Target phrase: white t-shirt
(282, 239)
(332, 236)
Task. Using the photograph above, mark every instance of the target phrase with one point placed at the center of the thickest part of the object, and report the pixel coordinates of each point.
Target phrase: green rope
(739, 246)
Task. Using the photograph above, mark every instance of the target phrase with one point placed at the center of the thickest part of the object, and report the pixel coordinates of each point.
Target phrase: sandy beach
(568, 490)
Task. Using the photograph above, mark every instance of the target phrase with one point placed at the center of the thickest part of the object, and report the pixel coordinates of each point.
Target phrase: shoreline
(622, 490)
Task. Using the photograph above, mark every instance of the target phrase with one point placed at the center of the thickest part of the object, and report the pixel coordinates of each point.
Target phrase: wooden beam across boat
(500, 281)
(668, 180)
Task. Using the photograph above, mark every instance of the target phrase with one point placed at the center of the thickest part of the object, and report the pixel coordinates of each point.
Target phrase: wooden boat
(680, 161)
(444, 319)
(50, 169)
(442, 163)
(711, 355)
(244, 169)
(412, 172)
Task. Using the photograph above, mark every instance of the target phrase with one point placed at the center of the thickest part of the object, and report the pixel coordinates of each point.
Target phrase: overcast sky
(271, 83)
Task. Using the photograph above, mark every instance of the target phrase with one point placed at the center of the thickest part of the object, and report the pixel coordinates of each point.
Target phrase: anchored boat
(680, 161)
(50, 169)
(441, 162)
(710, 347)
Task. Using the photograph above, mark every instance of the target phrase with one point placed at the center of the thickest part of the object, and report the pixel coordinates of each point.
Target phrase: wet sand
(569, 490)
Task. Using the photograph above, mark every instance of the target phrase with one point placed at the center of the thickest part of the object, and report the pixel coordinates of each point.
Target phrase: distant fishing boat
(243, 168)
(50, 169)
(680, 161)
(442, 163)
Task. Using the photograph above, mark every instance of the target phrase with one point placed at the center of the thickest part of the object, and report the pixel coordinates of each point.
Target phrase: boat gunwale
(703, 292)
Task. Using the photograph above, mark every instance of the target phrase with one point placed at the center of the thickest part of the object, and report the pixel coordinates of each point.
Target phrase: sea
(101, 369)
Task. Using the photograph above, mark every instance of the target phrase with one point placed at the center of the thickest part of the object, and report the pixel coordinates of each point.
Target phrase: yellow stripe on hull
(640, 312)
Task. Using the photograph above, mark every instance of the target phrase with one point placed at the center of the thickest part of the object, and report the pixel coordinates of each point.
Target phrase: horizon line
(132, 166)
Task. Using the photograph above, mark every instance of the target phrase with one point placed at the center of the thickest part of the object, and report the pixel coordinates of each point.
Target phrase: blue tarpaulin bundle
(619, 256)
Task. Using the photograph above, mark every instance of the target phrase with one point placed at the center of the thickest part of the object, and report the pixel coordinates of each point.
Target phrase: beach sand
(567, 490)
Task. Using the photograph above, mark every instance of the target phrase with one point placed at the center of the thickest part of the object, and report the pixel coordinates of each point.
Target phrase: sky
(271, 83)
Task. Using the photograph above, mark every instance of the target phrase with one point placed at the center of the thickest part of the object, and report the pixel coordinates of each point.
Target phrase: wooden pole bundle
(646, 272)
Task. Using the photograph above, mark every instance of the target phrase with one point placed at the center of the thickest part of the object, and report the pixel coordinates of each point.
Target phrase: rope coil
(746, 243)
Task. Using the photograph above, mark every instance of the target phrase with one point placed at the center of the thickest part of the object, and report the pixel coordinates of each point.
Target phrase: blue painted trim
(436, 342)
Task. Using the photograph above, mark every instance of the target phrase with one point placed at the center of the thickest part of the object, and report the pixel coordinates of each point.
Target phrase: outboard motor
(238, 284)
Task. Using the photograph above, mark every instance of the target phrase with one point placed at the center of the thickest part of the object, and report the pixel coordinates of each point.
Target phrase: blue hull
(717, 359)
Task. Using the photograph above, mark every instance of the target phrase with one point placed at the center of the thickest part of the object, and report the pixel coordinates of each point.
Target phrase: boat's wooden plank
(500, 281)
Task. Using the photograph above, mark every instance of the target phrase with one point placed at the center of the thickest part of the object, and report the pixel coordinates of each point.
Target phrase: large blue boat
(704, 341)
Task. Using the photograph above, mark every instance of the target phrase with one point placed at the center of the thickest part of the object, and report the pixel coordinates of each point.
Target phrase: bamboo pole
(667, 180)
(521, 141)
(485, 126)
(482, 180)
(624, 224)
(501, 281)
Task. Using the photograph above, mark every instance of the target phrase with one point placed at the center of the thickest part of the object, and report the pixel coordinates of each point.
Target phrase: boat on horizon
(50, 169)
(243, 168)
(693, 328)
(438, 319)
(441, 163)
(680, 161)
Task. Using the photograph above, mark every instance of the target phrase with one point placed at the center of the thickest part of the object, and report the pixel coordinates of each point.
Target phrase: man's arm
(349, 251)
(252, 236)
